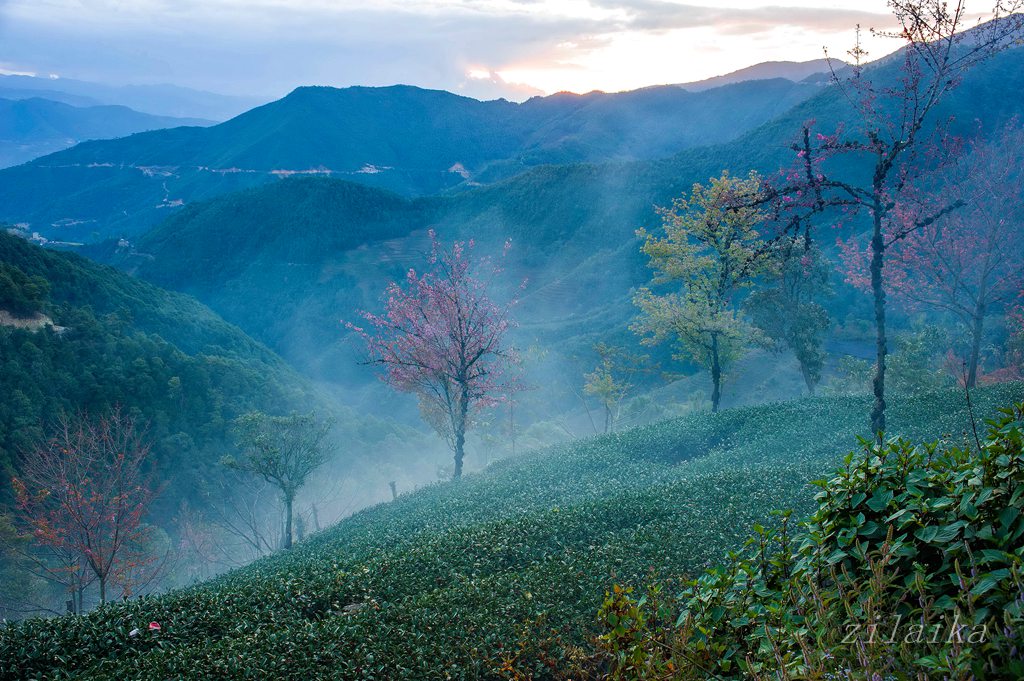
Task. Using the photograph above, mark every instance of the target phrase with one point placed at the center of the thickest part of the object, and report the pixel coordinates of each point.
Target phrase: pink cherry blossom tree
(442, 338)
(970, 262)
(876, 164)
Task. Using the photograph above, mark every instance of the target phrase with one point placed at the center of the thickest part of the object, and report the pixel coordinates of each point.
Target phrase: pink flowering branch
(971, 261)
(893, 148)
(441, 337)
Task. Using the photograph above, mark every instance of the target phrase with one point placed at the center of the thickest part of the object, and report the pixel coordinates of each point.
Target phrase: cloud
(270, 48)
(660, 15)
(485, 84)
(267, 47)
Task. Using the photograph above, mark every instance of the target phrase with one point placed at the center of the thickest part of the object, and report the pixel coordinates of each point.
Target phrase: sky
(480, 48)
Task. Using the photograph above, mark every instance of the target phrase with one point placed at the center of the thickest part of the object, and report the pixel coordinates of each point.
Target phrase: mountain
(502, 574)
(795, 71)
(158, 100)
(15, 94)
(400, 138)
(30, 128)
(288, 260)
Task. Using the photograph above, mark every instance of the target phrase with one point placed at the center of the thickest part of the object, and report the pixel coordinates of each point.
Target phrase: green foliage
(916, 363)
(283, 450)
(20, 294)
(612, 380)
(711, 251)
(497, 576)
(912, 563)
(161, 356)
(787, 311)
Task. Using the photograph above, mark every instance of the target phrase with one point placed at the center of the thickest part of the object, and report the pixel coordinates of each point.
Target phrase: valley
(385, 381)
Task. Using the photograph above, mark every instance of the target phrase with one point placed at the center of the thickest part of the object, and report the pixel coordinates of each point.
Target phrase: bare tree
(82, 495)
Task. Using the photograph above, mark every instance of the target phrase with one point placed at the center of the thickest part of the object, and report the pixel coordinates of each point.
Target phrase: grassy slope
(509, 564)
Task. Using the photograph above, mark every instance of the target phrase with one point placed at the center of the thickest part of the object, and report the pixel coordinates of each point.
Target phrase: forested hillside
(109, 339)
(287, 261)
(82, 339)
(388, 382)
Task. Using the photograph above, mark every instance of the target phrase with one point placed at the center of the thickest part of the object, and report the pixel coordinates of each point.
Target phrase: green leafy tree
(612, 380)
(20, 294)
(919, 361)
(711, 251)
(787, 311)
(284, 451)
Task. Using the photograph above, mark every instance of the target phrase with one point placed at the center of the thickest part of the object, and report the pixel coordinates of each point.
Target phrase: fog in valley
(506, 340)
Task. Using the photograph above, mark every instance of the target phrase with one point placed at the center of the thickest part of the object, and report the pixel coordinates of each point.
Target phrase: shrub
(498, 576)
(912, 563)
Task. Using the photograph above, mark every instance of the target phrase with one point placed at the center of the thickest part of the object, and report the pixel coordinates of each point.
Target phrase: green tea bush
(497, 576)
(912, 565)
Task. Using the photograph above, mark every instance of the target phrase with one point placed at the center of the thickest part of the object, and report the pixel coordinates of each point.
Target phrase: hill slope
(104, 339)
(30, 128)
(288, 260)
(498, 575)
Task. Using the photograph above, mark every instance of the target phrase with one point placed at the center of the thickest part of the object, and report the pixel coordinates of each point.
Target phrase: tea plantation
(498, 576)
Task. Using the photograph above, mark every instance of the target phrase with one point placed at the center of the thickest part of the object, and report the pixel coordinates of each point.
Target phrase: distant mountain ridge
(796, 71)
(157, 100)
(34, 127)
(401, 138)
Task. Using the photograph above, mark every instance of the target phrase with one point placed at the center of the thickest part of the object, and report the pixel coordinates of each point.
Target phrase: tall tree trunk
(607, 418)
(716, 374)
(878, 291)
(808, 378)
(103, 589)
(460, 433)
(288, 499)
(512, 425)
(976, 334)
